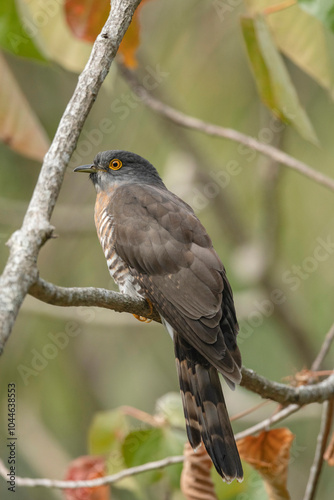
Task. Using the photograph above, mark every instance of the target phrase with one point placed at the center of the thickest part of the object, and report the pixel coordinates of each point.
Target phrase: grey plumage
(157, 248)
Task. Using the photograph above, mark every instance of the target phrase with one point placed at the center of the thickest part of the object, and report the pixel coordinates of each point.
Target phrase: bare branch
(53, 483)
(89, 296)
(281, 415)
(244, 413)
(282, 393)
(325, 427)
(91, 483)
(227, 133)
(20, 272)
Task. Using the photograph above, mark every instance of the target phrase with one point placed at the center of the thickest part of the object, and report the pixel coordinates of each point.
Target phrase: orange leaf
(19, 126)
(83, 468)
(269, 454)
(196, 482)
(130, 42)
(87, 17)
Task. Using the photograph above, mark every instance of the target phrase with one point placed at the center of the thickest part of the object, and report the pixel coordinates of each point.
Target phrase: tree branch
(227, 133)
(284, 394)
(91, 483)
(329, 338)
(20, 272)
(89, 296)
(54, 483)
(277, 417)
(281, 393)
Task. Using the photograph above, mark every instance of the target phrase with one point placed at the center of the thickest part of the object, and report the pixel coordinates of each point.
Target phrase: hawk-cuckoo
(157, 248)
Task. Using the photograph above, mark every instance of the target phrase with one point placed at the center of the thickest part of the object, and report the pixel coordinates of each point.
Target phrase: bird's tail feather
(205, 410)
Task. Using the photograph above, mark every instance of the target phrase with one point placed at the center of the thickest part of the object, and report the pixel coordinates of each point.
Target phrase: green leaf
(321, 9)
(272, 78)
(107, 432)
(13, 36)
(259, 67)
(302, 38)
(149, 445)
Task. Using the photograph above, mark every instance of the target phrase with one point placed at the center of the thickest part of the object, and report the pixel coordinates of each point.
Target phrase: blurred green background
(263, 222)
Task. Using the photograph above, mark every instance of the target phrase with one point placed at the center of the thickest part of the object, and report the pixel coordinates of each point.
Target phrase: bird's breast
(118, 269)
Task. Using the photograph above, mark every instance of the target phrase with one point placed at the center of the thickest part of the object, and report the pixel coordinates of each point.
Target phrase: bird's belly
(120, 273)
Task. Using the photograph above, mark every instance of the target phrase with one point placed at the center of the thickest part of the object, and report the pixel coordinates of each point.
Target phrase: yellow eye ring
(115, 164)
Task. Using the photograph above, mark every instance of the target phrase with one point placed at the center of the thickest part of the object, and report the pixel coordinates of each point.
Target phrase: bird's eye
(115, 164)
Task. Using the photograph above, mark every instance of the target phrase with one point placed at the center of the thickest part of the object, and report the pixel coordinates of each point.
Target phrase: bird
(157, 249)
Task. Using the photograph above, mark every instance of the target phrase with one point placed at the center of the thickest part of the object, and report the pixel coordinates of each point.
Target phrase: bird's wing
(169, 251)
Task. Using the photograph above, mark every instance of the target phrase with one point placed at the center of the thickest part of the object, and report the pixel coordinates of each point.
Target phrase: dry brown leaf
(269, 454)
(83, 468)
(196, 482)
(19, 126)
(302, 377)
(329, 453)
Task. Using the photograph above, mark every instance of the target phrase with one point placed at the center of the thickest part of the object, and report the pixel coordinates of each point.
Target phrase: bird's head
(118, 167)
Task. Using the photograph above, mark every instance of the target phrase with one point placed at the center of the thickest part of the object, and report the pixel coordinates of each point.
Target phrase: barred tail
(205, 410)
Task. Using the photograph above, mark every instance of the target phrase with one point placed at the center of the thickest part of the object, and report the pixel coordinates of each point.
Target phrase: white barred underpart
(168, 327)
(119, 271)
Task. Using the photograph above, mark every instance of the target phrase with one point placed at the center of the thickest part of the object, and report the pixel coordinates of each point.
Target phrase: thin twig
(324, 349)
(329, 453)
(54, 483)
(265, 424)
(143, 416)
(244, 413)
(325, 427)
(227, 133)
(91, 483)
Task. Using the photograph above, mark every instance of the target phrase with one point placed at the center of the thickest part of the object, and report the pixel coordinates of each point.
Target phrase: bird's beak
(88, 169)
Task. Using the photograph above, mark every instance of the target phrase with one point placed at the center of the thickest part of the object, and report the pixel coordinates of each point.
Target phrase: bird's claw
(142, 318)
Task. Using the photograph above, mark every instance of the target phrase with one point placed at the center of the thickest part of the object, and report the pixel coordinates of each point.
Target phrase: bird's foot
(142, 318)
